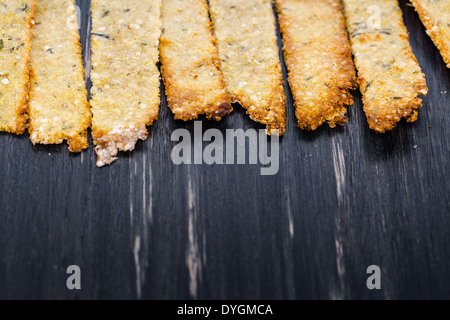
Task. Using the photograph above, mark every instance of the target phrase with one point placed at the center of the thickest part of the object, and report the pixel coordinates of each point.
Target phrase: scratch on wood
(137, 238)
(144, 193)
(339, 257)
(130, 198)
(136, 235)
(338, 291)
(139, 226)
(290, 216)
(339, 168)
(193, 259)
(340, 172)
(136, 249)
(150, 186)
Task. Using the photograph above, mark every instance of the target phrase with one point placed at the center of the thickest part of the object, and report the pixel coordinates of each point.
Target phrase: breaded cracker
(16, 18)
(125, 78)
(58, 106)
(319, 60)
(246, 38)
(190, 63)
(389, 76)
(435, 15)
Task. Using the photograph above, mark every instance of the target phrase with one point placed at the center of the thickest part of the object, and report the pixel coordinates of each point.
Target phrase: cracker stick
(389, 76)
(190, 62)
(16, 19)
(246, 38)
(435, 15)
(58, 109)
(319, 60)
(125, 92)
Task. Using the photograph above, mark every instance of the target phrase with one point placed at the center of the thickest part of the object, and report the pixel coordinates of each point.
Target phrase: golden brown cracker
(125, 78)
(435, 15)
(319, 60)
(58, 106)
(389, 75)
(190, 63)
(16, 18)
(247, 43)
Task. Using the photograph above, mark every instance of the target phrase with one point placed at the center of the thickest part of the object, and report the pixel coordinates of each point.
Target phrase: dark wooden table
(343, 199)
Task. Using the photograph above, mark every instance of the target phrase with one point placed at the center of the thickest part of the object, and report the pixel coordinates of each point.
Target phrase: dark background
(343, 199)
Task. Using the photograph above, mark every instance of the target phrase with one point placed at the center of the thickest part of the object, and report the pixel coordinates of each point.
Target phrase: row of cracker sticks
(42, 86)
(320, 66)
(204, 70)
(125, 50)
(318, 56)
(48, 95)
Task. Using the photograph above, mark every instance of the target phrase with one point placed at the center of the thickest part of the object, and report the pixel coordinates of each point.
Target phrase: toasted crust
(125, 92)
(435, 15)
(246, 38)
(16, 18)
(190, 63)
(389, 76)
(58, 106)
(319, 60)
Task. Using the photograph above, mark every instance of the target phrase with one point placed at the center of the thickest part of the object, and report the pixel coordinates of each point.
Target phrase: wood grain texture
(344, 199)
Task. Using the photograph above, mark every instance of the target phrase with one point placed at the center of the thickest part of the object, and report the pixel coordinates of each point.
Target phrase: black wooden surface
(343, 199)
